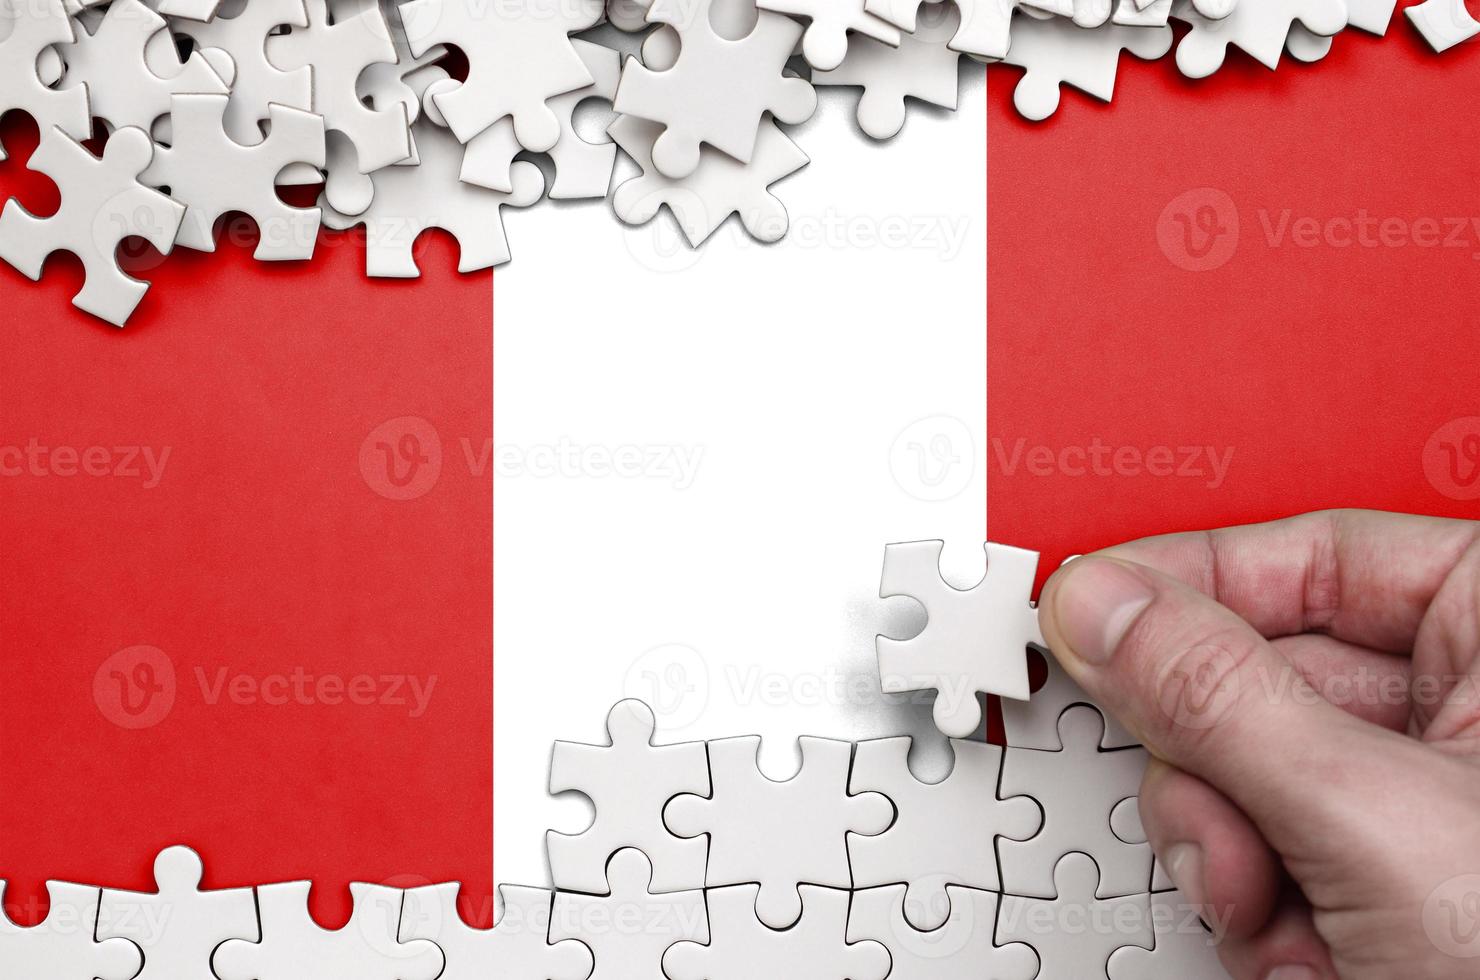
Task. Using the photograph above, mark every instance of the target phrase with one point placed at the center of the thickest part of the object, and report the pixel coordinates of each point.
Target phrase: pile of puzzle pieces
(1025, 861)
(417, 114)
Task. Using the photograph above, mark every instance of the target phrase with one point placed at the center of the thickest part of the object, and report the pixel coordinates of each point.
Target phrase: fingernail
(1095, 605)
(1184, 864)
(1297, 971)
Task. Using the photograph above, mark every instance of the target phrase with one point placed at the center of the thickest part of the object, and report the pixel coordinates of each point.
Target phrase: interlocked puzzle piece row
(354, 94)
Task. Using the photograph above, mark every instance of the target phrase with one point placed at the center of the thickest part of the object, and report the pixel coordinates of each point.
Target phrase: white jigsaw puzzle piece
(1182, 948)
(629, 781)
(411, 200)
(719, 187)
(920, 66)
(123, 86)
(742, 947)
(1078, 787)
(338, 50)
(30, 66)
(519, 56)
(982, 26)
(1257, 27)
(1034, 723)
(830, 26)
(718, 90)
(516, 948)
(103, 203)
(1055, 52)
(974, 639)
(583, 169)
(962, 948)
(242, 31)
(196, 10)
(62, 946)
(629, 953)
(779, 834)
(1443, 23)
(944, 833)
(1154, 14)
(178, 927)
(1075, 933)
(211, 174)
(293, 946)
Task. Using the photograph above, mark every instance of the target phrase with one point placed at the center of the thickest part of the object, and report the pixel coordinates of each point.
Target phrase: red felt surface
(273, 554)
(1336, 374)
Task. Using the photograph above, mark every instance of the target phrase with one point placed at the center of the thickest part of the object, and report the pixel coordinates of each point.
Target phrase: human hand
(1310, 692)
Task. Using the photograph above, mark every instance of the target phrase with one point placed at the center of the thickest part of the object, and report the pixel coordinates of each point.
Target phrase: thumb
(1202, 690)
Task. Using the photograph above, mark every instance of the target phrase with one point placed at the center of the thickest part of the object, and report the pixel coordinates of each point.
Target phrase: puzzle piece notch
(30, 66)
(718, 188)
(831, 25)
(123, 83)
(741, 946)
(411, 200)
(921, 66)
(294, 946)
(963, 947)
(516, 948)
(1181, 946)
(779, 834)
(178, 927)
(1055, 52)
(1443, 23)
(974, 640)
(211, 174)
(629, 781)
(717, 90)
(519, 57)
(242, 34)
(1034, 723)
(62, 947)
(583, 169)
(944, 834)
(338, 50)
(982, 26)
(1257, 27)
(622, 952)
(1078, 788)
(103, 203)
(1075, 933)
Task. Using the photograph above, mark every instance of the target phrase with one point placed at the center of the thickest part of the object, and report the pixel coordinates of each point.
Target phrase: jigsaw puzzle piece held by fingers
(974, 640)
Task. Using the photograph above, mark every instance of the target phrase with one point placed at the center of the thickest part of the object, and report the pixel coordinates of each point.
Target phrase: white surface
(516, 948)
(810, 379)
(62, 946)
(962, 949)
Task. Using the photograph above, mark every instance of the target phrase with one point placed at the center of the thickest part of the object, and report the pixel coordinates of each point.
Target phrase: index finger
(1365, 577)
